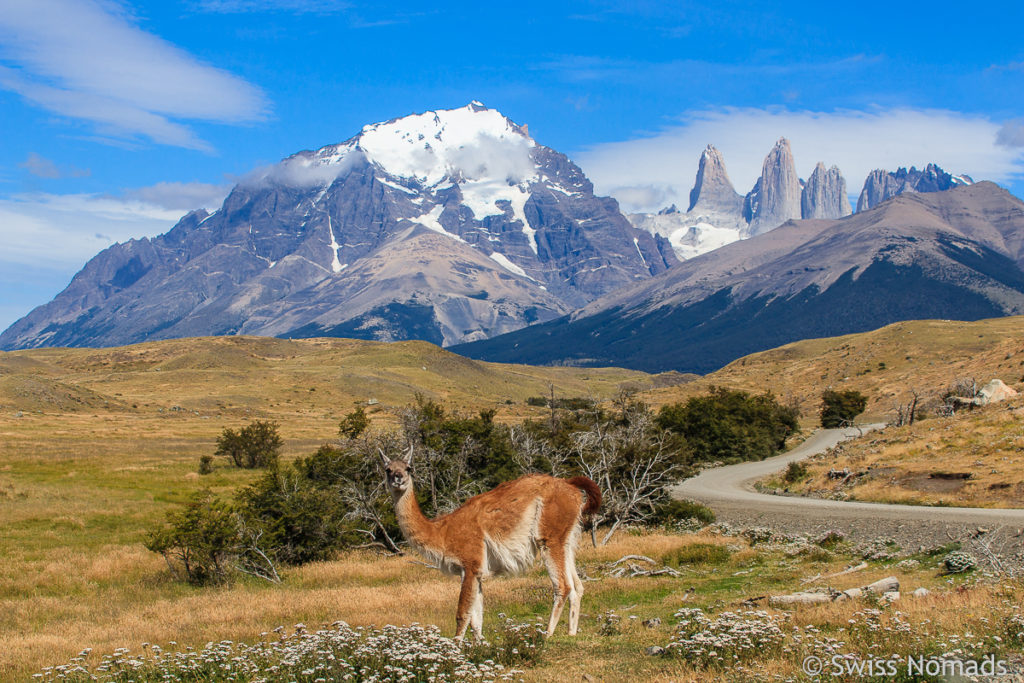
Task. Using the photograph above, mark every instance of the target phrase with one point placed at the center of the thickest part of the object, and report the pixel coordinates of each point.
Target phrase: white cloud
(492, 157)
(661, 167)
(64, 231)
(85, 59)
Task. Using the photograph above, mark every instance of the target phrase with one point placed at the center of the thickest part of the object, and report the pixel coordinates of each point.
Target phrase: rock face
(956, 255)
(775, 198)
(713, 191)
(446, 226)
(824, 194)
(995, 391)
(715, 216)
(881, 185)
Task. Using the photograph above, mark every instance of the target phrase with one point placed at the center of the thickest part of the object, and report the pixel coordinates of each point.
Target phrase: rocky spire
(775, 198)
(824, 195)
(713, 191)
(881, 185)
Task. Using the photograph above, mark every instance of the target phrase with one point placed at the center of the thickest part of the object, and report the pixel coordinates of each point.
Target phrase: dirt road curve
(729, 491)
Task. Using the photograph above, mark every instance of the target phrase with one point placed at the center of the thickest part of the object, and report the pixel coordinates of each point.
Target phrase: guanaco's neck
(415, 526)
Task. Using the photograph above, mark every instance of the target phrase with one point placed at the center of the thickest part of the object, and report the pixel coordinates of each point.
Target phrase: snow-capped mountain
(956, 254)
(718, 215)
(450, 226)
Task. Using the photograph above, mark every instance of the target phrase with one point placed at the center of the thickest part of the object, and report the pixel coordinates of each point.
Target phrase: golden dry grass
(97, 445)
(291, 380)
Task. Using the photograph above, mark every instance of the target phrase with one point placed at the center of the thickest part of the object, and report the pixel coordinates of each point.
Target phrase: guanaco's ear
(408, 456)
(383, 458)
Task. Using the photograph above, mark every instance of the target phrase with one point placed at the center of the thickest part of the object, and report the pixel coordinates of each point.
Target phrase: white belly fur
(516, 552)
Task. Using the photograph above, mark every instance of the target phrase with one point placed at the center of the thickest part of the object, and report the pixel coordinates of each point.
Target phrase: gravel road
(730, 492)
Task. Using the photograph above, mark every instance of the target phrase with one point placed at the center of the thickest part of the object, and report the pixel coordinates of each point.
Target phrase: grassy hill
(886, 365)
(974, 458)
(275, 377)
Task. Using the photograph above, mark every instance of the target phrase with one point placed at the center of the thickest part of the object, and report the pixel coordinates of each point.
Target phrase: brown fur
(501, 531)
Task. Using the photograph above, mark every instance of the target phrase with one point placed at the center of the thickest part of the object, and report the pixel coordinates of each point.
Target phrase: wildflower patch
(338, 653)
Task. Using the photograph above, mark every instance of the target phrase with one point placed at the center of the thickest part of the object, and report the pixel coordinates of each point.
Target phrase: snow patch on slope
(505, 263)
(336, 264)
(430, 220)
(689, 234)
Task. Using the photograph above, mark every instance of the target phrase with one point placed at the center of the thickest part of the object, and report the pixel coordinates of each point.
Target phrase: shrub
(255, 445)
(838, 408)
(299, 520)
(354, 424)
(205, 463)
(795, 472)
(731, 425)
(672, 512)
(198, 541)
(958, 562)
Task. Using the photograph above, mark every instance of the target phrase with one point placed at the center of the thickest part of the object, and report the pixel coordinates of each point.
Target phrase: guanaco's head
(398, 472)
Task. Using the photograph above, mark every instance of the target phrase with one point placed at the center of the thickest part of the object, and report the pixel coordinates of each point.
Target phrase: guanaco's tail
(593, 494)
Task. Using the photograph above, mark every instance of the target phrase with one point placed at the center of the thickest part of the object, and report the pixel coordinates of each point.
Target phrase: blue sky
(118, 116)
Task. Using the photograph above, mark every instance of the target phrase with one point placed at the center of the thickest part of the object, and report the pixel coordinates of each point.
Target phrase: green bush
(731, 425)
(256, 445)
(671, 512)
(838, 408)
(795, 472)
(354, 424)
(299, 520)
(199, 541)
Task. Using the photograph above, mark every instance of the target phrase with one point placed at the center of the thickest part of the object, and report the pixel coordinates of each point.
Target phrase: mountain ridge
(901, 260)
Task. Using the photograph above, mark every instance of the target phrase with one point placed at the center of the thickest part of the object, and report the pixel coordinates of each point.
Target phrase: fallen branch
(625, 558)
(624, 567)
(888, 587)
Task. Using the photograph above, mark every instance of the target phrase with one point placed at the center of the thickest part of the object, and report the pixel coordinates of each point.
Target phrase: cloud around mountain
(653, 170)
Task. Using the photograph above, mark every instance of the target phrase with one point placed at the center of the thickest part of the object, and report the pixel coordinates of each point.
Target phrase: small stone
(653, 622)
(921, 592)
(654, 651)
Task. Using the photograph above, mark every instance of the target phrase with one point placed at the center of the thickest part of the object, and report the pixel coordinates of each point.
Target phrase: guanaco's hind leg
(576, 595)
(563, 586)
(476, 614)
(467, 599)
